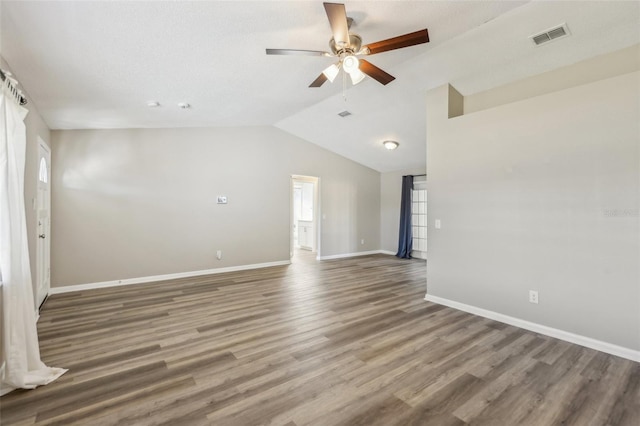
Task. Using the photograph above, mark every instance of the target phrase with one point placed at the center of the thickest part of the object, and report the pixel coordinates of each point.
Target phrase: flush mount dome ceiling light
(346, 46)
(390, 145)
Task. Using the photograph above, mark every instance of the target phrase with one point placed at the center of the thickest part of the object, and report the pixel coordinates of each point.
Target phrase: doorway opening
(305, 207)
(43, 216)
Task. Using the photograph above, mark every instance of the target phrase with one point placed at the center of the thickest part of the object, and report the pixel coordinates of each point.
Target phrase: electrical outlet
(219, 254)
(533, 296)
(362, 241)
(222, 199)
(438, 224)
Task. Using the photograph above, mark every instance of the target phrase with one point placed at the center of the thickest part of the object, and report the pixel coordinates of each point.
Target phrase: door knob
(41, 236)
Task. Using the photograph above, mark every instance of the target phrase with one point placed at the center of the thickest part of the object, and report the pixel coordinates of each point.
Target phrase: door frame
(316, 212)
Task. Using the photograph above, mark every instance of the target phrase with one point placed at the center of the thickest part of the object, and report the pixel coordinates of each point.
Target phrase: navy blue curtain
(405, 241)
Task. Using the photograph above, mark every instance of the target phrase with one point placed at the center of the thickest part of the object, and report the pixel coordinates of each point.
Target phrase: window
(419, 217)
(43, 173)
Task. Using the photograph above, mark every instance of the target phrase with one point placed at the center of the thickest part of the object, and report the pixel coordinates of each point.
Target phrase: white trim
(359, 253)
(142, 280)
(389, 252)
(542, 329)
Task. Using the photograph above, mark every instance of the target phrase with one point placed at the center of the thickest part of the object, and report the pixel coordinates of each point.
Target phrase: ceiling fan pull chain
(344, 87)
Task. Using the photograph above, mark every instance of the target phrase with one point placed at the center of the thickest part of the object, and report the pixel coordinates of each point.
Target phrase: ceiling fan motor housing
(355, 42)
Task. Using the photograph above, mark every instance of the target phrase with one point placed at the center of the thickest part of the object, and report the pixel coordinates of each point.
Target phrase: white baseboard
(542, 329)
(345, 255)
(393, 253)
(142, 280)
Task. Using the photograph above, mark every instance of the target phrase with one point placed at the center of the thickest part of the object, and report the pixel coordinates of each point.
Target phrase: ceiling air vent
(550, 34)
(344, 114)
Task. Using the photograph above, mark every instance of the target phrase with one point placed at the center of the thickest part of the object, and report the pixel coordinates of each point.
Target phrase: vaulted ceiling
(95, 65)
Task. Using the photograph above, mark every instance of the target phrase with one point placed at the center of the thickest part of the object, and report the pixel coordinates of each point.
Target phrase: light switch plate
(222, 199)
(438, 224)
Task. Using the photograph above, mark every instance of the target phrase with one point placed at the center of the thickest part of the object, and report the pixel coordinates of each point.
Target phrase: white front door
(43, 279)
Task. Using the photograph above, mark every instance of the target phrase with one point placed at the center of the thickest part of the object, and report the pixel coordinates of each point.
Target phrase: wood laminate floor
(341, 342)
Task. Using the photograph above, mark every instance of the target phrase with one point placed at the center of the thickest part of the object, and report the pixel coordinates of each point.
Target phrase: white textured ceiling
(96, 64)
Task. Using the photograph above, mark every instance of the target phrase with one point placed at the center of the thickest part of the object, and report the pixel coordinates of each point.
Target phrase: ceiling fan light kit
(350, 63)
(347, 47)
(356, 76)
(332, 72)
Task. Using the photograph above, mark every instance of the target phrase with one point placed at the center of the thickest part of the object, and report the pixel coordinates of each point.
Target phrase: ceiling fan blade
(337, 15)
(319, 81)
(376, 73)
(411, 39)
(297, 52)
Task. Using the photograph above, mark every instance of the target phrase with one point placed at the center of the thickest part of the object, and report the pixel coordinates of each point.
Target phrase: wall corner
(455, 103)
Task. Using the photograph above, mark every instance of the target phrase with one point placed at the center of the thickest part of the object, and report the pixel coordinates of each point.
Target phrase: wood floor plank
(340, 342)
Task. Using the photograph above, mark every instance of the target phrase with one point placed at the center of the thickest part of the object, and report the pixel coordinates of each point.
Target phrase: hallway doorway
(304, 224)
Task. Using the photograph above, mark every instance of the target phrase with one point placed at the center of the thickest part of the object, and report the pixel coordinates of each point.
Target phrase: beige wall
(136, 203)
(36, 128)
(594, 69)
(390, 196)
(541, 194)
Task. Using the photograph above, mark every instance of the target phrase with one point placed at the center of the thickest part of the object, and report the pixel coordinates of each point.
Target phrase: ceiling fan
(348, 46)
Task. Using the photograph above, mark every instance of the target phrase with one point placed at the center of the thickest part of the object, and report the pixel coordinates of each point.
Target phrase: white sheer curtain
(21, 352)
